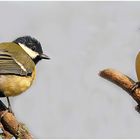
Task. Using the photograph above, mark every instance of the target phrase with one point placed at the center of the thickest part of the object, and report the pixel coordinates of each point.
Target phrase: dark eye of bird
(33, 48)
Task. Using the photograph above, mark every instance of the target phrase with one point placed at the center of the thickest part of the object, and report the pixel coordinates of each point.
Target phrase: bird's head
(32, 47)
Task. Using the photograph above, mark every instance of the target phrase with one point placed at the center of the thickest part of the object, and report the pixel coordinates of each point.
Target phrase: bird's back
(19, 55)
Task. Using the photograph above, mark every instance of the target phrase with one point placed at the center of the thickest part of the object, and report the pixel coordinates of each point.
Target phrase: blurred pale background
(68, 98)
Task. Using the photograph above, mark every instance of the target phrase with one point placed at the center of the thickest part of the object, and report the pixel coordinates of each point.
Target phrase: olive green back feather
(14, 60)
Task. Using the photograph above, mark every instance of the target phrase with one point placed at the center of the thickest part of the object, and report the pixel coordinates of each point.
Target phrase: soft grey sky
(68, 98)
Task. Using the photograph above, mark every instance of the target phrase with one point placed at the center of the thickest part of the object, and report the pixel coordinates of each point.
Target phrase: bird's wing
(10, 65)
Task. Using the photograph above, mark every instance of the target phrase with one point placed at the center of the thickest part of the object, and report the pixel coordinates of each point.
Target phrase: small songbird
(17, 65)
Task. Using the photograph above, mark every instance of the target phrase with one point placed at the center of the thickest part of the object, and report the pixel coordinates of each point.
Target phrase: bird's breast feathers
(13, 85)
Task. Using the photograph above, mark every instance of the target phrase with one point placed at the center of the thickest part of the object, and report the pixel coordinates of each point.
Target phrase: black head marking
(30, 42)
(34, 45)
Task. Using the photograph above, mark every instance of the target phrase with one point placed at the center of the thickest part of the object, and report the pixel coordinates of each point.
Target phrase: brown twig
(5, 134)
(11, 126)
(122, 81)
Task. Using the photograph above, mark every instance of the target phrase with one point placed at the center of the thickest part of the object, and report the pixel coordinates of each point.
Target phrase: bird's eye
(33, 48)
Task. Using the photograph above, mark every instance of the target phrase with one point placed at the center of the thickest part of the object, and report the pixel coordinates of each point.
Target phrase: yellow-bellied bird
(17, 65)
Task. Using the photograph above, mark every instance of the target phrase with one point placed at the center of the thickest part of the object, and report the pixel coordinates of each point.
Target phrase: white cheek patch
(30, 52)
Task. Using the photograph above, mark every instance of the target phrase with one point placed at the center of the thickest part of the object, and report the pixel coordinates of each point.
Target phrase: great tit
(17, 65)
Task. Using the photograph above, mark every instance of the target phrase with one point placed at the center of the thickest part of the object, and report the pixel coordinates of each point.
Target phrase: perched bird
(17, 65)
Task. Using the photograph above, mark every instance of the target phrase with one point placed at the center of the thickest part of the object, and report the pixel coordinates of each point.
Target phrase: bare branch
(122, 81)
(11, 125)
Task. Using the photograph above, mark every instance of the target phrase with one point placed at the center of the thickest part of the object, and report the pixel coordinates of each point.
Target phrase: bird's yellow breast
(13, 85)
(138, 66)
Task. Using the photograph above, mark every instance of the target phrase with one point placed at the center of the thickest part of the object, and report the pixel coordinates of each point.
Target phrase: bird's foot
(137, 108)
(135, 86)
(9, 106)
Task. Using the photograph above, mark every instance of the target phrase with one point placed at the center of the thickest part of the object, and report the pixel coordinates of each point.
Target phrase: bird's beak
(44, 56)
